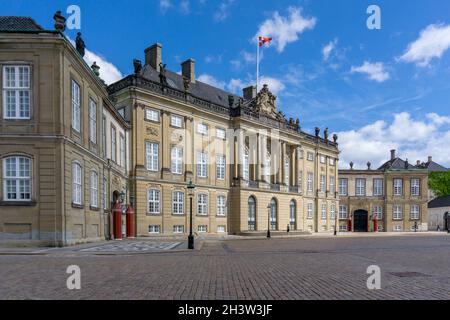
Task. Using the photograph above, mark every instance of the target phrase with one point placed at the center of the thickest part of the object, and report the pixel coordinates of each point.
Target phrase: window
(92, 121)
(202, 204)
(154, 206)
(323, 159)
(152, 115)
(310, 213)
(121, 111)
(377, 187)
(267, 166)
(16, 92)
(293, 214)
(343, 212)
(378, 212)
(286, 171)
(246, 164)
(202, 228)
(343, 228)
(415, 187)
(333, 211)
(273, 214)
(202, 171)
(251, 214)
(17, 179)
(360, 187)
(322, 183)
(221, 205)
(343, 187)
(397, 228)
(113, 144)
(415, 212)
(332, 161)
(152, 156)
(94, 189)
(176, 121)
(202, 129)
(220, 134)
(324, 211)
(220, 167)
(104, 136)
(177, 160)
(77, 185)
(178, 229)
(154, 229)
(105, 193)
(122, 150)
(76, 107)
(332, 189)
(310, 156)
(178, 202)
(398, 187)
(310, 184)
(221, 229)
(398, 212)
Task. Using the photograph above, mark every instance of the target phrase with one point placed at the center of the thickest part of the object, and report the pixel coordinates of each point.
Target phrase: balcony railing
(293, 189)
(274, 187)
(253, 184)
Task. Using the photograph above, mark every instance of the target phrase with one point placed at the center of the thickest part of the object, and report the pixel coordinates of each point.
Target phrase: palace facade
(393, 197)
(253, 169)
(63, 146)
(71, 148)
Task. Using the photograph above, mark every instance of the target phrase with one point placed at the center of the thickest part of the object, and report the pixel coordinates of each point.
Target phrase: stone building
(58, 177)
(253, 169)
(439, 214)
(395, 195)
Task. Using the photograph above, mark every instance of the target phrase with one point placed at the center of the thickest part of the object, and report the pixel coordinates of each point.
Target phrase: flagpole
(257, 64)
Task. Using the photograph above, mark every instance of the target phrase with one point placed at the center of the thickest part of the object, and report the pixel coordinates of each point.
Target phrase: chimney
(153, 56)
(393, 156)
(188, 70)
(249, 93)
(430, 159)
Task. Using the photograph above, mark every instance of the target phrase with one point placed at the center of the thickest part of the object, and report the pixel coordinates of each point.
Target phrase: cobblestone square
(412, 267)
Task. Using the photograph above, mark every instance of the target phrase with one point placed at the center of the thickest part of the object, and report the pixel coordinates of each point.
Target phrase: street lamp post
(268, 220)
(190, 188)
(335, 222)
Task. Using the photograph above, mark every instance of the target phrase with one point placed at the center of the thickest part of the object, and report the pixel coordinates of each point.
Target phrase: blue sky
(379, 89)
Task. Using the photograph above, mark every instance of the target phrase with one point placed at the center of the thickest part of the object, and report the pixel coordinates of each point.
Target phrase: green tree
(439, 182)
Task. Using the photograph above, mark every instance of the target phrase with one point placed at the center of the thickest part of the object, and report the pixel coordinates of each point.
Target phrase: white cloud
(108, 71)
(236, 85)
(275, 85)
(285, 30)
(433, 41)
(414, 139)
(185, 7)
(244, 58)
(211, 80)
(213, 59)
(164, 5)
(327, 50)
(376, 71)
(223, 10)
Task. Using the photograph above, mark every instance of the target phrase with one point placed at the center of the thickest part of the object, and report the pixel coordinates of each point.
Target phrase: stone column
(188, 151)
(241, 150)
(282, 169)
(253, 156)
(294, 166)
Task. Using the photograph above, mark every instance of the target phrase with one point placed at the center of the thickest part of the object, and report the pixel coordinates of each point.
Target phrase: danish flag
(263, 40)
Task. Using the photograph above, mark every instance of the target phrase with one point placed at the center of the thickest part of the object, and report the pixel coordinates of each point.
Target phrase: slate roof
(439, 202)
(396, 164)
(13, 23)
(198, 89)
(433, 167)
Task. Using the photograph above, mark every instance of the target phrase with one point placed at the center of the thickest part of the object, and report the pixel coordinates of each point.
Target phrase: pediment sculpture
(265, 103)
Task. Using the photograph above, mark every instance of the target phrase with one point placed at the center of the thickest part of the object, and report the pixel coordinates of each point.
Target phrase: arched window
(273, 214)
(17, 179)
(293, 215)
(252, 213)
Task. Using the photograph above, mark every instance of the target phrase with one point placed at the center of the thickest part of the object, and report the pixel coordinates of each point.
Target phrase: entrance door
(446, 221)
(360, 218)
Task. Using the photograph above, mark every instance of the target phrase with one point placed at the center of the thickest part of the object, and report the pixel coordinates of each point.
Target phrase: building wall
(436, 218)
(48, 139)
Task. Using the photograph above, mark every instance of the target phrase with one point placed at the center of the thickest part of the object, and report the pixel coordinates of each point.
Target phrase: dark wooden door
(360, 218)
